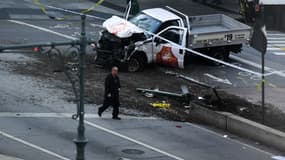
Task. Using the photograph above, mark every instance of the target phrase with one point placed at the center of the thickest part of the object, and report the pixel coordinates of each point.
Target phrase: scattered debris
(187, 111)
(149, 95)
(185, 94)
(187, 107)
(122, 158)
(189, 79)
(60, 26)
(244, 109)
(178, 126)
(201, 98)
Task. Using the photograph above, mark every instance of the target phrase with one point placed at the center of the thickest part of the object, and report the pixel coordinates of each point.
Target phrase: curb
(111, 5)
(3, 157)
(240, 126)
(220, 7)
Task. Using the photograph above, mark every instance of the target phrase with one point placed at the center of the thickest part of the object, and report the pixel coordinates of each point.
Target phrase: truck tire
(220, 54)
(136, 64)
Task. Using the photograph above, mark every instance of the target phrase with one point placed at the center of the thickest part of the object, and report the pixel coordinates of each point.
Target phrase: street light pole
(263, 87)
(259, 42)
(81, 140)
(263, 63)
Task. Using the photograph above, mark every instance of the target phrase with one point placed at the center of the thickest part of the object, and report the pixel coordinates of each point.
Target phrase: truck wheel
(220, 54)
(135, 64)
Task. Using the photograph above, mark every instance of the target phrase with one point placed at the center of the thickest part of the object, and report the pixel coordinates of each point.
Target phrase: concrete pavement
(51, 138)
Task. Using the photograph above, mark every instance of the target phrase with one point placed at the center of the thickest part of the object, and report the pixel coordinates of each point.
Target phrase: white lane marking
(226, 81)
(253, 64)
(278, 157)
(43, 29)
(275, 49)
(233, 140)
(276, 42)
(33, 146)
(133, 140)
(275, 34)
(276, 46)
(63, 115)
(279, 53)
(276, 38)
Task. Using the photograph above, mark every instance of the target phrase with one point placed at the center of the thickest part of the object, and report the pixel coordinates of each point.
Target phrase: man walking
(111, 97)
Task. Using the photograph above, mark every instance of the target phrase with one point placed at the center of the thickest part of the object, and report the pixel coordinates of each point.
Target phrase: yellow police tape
(161, 105)
(43, 8)
(259, 85)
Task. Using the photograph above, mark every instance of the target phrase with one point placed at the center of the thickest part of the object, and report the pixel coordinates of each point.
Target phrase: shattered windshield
(146, 22)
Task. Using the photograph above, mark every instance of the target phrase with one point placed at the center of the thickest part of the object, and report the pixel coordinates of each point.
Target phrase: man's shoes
(99, 113)
(116, 118)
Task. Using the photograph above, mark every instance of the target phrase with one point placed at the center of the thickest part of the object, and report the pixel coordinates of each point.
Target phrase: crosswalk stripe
(279, 53)
(276, 46)
(275, 34)
(276, 42)
(275, 38)
(274, 49)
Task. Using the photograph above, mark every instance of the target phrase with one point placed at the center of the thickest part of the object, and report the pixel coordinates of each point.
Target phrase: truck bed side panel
(217, 30)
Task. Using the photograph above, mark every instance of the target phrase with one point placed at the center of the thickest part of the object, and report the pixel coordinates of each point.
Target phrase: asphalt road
(35, 125)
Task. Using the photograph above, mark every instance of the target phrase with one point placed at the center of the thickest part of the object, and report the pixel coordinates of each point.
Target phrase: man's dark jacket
(112, 86)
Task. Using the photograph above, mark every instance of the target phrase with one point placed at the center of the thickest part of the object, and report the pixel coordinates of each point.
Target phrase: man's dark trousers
(111, 101)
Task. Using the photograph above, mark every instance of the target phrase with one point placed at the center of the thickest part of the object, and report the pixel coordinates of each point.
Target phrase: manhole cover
(133, 151)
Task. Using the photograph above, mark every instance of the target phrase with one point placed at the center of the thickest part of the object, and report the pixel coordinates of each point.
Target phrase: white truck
(161, 36)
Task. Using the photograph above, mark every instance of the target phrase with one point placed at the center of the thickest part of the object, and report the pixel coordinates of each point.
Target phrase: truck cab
(162, 36)
(152, 36)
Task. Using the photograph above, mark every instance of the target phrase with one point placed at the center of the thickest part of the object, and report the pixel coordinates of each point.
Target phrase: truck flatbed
(217, 29)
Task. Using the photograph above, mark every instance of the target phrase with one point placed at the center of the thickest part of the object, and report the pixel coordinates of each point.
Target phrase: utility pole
(81, 140)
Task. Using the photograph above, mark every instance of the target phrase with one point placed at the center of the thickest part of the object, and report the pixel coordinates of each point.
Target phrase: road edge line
(42, 29)
(132, 140)
(258, 66)
(4, 134)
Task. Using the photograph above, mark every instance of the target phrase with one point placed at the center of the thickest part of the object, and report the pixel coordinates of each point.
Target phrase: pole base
(80, 147)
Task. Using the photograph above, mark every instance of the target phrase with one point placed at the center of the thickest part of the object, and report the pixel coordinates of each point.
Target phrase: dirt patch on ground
(152, 77)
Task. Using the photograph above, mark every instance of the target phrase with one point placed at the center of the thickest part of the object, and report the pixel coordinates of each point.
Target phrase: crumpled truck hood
(121, 27)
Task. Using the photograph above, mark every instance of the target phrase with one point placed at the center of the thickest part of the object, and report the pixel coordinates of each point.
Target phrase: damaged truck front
(161, 36)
